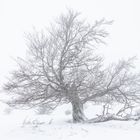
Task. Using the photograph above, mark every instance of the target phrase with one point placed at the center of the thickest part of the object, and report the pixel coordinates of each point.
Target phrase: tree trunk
(77, 111)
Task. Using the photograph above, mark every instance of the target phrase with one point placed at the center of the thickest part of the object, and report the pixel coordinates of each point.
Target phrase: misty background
(18, 17)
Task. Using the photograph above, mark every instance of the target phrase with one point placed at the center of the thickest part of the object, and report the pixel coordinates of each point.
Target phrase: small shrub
(67, 112)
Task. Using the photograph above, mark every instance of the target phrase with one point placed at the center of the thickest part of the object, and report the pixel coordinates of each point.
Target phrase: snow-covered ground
(26, 125)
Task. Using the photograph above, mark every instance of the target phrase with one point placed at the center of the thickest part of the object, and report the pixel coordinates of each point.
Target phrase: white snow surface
(26, 125)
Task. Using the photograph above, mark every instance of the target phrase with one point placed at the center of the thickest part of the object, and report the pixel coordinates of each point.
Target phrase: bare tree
(62, 67)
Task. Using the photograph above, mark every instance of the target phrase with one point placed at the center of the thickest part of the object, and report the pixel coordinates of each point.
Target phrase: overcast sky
(20, 16)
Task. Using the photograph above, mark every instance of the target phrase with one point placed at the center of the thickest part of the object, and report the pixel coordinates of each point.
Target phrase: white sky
(19, 16)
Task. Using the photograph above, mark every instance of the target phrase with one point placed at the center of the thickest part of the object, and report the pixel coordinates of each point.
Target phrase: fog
(21, 16)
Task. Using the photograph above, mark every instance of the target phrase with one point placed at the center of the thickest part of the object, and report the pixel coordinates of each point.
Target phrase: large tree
(62, 67)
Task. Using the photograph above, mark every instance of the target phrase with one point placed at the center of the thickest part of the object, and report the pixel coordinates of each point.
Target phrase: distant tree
(62, 67)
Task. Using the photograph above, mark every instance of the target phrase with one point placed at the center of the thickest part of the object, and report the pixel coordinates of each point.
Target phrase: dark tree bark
(77, 111)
